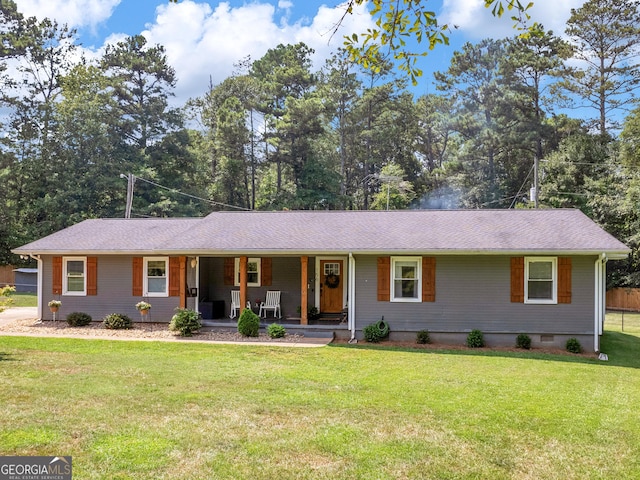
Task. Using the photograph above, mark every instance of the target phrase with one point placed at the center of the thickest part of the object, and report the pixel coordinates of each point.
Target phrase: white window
(253, 272)
(540, 275)
(331, 269)
(406, 279)
(156, 277)
(74, 275)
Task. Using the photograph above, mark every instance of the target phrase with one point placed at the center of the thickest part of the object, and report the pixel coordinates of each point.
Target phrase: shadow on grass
(7, 357)
(622, 349)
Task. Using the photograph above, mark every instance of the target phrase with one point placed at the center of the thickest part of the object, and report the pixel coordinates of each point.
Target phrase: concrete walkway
(31, 313)
(18, 313)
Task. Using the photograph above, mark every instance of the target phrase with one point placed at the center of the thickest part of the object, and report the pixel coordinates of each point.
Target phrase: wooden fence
(7, 275)
(624, 299)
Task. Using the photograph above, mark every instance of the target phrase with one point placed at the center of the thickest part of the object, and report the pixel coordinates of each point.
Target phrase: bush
(117, 321)
(185, 321)
(78, 319)
(248, 323)
(523, 341)
(573, 346)
(5, 297)
(423, 337)
(376, 331)
(276, 331)
(475, 339)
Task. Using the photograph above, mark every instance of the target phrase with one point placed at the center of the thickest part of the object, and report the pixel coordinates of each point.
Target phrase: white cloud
(284, 4)
(476, 22)
(75, 13)
(203, 43)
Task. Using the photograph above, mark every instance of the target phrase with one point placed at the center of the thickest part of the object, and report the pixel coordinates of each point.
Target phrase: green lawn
(25, 300)
(148, 410)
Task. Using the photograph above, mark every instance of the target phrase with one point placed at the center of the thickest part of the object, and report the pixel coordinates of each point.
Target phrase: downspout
(599, 305)
(351, 312)
(39, 280)
(605, 259)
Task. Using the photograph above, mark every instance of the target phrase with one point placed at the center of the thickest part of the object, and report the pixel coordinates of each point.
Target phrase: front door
(331, 285)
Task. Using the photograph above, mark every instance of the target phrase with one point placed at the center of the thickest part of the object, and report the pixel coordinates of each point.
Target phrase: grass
(24, 300)
(152, 410)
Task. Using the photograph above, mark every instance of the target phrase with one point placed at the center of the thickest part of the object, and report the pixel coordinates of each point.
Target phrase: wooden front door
(332, 278)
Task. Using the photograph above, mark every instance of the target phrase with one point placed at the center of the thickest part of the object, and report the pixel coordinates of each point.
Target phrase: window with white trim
(156, 277)
(74, 276)
(253, 272)
(331, 268)
(540, 275)
(406, 279)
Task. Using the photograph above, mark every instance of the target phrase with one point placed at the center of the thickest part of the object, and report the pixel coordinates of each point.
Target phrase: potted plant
(143, 307)
(54, 305)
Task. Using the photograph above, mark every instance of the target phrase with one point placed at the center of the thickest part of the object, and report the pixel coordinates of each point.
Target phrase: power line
(132, 179)
(522, 186)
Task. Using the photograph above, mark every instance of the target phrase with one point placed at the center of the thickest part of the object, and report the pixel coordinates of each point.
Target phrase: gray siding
(475, 293)
(285, 277)
(115, 283)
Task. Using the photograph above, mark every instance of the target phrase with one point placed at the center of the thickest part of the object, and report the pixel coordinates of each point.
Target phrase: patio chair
(271, 302)
(235, 303)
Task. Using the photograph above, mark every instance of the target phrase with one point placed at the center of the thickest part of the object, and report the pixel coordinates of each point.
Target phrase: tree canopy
(280, 134)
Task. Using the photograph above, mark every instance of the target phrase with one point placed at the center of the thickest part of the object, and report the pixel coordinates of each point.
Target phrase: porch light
(194, 262)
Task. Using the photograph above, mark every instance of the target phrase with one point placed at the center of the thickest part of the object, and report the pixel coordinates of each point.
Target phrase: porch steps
(317, 334)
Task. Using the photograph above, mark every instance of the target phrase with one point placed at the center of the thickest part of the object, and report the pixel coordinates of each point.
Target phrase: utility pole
(535, 180)
(533, 193)
(131, 180)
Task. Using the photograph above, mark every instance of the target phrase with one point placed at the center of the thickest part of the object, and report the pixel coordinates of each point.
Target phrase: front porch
(313, 290)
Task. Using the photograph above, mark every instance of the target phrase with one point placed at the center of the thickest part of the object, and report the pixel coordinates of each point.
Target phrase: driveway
(18, 313)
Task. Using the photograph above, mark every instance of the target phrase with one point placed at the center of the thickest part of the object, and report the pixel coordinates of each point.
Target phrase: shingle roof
(314, 232)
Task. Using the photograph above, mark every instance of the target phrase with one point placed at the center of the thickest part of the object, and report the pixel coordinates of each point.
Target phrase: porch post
(183, 282)
(304, 268)
(243, 283)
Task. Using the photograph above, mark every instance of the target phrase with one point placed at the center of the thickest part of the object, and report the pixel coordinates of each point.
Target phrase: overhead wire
(173, 190)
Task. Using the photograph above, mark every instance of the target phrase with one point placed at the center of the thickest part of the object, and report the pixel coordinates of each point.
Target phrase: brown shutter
(136, 270)
(265, 272)
(57, 276)
(229, 269)
(92, 275)
(174, 276)
(517, 279)
(428, 279)
(384, 279)
(564, 280)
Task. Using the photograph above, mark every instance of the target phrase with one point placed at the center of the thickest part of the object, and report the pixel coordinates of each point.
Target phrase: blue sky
(203, 39)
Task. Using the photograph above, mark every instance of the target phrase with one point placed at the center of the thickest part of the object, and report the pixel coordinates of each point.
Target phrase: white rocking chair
(235, 303)
(271, 302)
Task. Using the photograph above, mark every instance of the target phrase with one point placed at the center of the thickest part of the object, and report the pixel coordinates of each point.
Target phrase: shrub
(5, 297)
(423, 337)
(376, 331)
(78, 319)
(117, 321)
(276, 331)
(248, 323)
(573, 346)
(185, 321)
(475, 339)
(523, 341)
